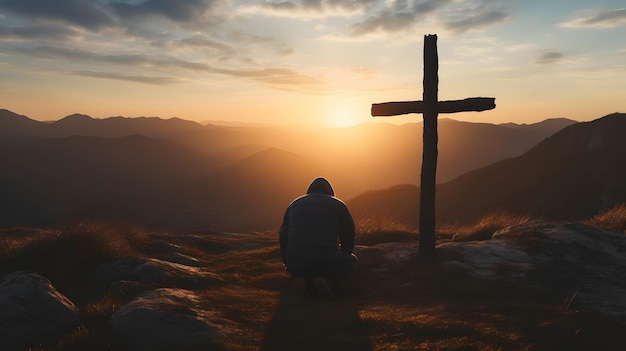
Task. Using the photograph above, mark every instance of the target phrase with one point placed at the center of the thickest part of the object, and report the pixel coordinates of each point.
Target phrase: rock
(180, 258)
(169, 319)
(33, 311)
(155, 272)
(399, 252)
(487, 258)
(582, 264)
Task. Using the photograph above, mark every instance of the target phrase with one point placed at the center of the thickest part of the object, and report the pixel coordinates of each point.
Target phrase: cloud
(156, 42)
(550, 57)
(207, 43)
(182, 11)
(458, 16)
(264, 42)
(275, 76)
(97, 15)
(308, 8)
(129, 78)
(39, 32)
(131, 60)
(607, 19)
(396, 16)
(83, 13)
(476, 18)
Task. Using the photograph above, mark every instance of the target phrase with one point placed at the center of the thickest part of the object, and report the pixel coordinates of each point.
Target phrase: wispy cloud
(275, 76)
(474, 18)
(130, 60)
(153, 39)
(607, 19)
(179, 11)
(396, 16)
(96, 16)
(39, 32)
(83, 13)
(129, 78)
(549, 57)
(457, 16)
(308, 8)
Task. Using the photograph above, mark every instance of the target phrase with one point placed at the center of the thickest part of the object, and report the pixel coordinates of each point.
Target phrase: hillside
(48, 181)
(249, 195)
(572, 175)
(537, 286)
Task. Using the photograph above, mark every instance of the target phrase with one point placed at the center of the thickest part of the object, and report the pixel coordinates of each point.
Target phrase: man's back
(313, 227)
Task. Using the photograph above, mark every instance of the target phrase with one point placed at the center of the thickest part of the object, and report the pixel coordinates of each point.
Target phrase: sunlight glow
(342, 119)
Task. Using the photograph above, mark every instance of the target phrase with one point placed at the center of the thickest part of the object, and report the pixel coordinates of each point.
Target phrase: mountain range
(181, 175)
(572, 175)
(360, 158)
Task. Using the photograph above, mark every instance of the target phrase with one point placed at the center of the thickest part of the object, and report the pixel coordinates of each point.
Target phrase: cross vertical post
(430, 107)
(429, 151)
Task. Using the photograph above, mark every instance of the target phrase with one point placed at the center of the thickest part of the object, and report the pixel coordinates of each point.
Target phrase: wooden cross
(430, 107)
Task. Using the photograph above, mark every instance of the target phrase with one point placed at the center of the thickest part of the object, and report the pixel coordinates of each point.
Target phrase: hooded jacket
(316, 229)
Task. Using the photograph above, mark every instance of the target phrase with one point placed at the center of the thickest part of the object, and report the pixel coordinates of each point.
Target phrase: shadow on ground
(303, 322)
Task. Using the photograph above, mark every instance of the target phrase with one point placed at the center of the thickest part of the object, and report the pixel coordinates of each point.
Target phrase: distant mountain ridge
(181, 175)
(80, 124)
(463, 146)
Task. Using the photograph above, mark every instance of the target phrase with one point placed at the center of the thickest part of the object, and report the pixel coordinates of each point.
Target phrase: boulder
(33, 311)
(169, 319)
(582, 265)
(154, 272)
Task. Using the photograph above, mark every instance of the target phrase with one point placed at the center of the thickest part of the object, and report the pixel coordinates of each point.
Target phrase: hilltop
(534, 286)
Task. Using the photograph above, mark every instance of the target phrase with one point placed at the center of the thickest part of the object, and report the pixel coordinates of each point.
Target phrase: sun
(342, 119)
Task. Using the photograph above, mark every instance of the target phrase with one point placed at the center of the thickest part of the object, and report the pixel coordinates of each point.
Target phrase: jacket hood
(321, 185)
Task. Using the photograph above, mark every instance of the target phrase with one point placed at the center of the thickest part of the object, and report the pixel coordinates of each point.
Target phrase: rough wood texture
(430, 153)
(405, 107)
(430, 107)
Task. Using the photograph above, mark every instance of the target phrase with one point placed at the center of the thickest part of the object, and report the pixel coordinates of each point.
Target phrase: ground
(391, 302)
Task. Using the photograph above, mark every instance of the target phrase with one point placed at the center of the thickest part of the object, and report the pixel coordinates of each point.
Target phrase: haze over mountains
(181, 175)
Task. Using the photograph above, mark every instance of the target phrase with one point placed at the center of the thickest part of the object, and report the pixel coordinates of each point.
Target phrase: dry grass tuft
(613, 219)
(69, 254)
(372, 232)
(482, 229)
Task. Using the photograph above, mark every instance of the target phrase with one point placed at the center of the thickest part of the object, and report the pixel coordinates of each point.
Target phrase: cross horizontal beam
(404, 107)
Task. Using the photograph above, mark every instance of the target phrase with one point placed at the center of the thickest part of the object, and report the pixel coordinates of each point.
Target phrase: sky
(309, 62)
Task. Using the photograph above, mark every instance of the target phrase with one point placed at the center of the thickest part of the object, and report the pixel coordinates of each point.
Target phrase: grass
(483, 228)
(69, 254)
(613, 219)
(412, 305)
(374, 231)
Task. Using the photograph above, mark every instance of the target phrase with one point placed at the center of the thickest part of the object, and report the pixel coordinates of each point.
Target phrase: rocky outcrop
(155, 272)
(582, 264)
(168, 319)
(32, 311)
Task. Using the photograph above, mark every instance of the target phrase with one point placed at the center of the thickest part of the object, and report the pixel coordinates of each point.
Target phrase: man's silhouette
(317, 238)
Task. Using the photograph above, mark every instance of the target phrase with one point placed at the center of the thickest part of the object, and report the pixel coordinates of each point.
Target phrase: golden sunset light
(319, 63)
(312, 175)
